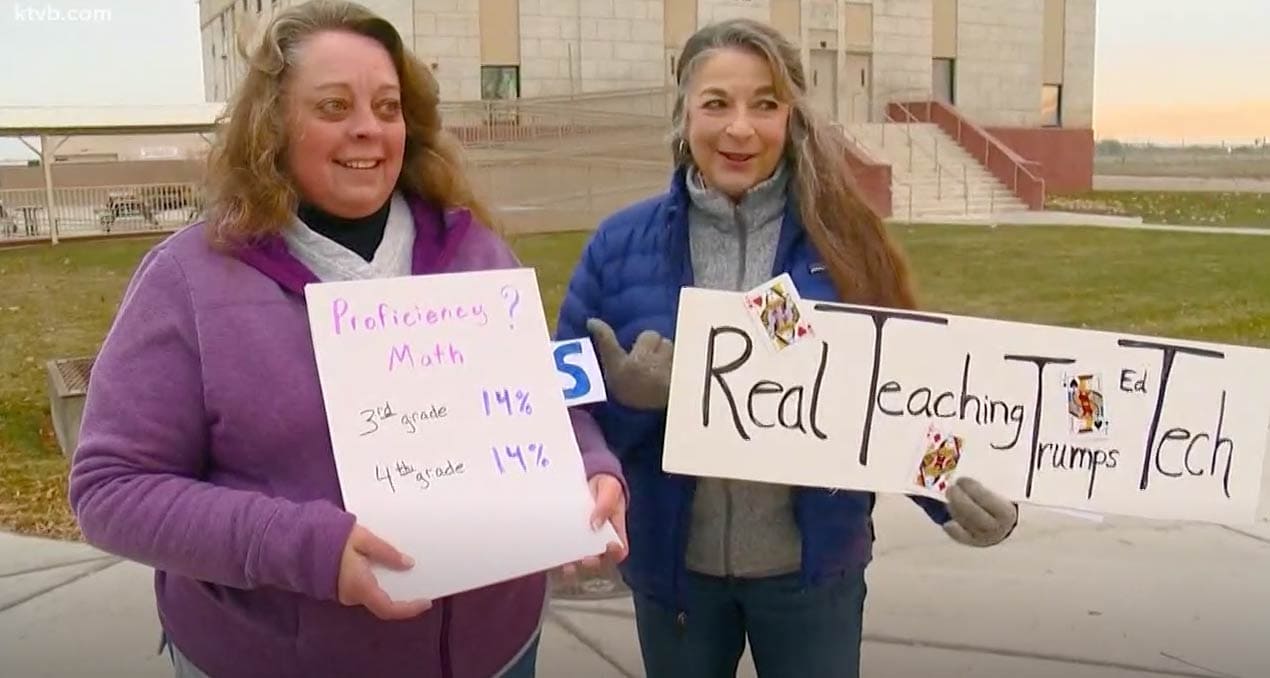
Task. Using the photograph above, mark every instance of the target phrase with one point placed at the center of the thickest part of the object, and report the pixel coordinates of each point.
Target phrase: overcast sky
(1166, 69)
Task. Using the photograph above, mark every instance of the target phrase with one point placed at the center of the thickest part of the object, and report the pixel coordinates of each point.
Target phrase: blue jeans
(525, 667)
(794, 632)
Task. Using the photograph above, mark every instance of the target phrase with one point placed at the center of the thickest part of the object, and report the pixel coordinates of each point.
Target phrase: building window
(943, 79)
(259, 9)
(1052, 106)
(500, 82)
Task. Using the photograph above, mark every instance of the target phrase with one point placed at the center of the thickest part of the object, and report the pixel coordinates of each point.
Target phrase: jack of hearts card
(779, 312)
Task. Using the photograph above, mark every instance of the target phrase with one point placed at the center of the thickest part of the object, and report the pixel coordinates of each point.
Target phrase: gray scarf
(332, 262)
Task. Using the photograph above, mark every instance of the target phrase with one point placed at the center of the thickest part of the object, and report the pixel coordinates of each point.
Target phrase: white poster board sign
(451, 436)
(906, 402)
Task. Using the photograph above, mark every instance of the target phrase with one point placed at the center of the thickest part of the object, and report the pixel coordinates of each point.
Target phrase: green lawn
(1188, 208)
(54, 302)
(57, 302)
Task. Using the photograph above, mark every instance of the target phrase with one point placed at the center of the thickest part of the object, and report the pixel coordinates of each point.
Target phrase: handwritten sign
(581, 380)
(907, 402)
(451, 436)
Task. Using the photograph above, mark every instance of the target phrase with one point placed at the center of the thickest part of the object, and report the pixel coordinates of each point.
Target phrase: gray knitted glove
(980, 517)
(639, 379)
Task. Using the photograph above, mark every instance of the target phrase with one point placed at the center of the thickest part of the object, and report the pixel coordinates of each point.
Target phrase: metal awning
(96, 120)
(51, 122)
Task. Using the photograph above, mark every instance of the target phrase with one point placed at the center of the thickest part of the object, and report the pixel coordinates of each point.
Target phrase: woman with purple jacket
(204, 449)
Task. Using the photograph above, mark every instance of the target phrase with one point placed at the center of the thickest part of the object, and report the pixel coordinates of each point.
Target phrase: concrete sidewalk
(1064, 597)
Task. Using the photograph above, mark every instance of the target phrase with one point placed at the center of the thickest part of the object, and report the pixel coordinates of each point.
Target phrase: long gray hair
(865, 264)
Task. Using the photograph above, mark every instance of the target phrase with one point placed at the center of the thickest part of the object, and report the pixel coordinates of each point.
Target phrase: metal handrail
(1017, 162)
(900, 94)
(908, 130)
(940, 168)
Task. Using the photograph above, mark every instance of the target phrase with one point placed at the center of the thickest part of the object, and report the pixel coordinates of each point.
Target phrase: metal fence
(98, 210)
(576, 161)
(1212, 161)
(528, 195)
(485, 124)
(655, 102)
(545, 164)
(550, 194)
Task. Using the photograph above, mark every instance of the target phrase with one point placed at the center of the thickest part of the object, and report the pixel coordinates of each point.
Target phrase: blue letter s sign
(579, 370)
(581, 383)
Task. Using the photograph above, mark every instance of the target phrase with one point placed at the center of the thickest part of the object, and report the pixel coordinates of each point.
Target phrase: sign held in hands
(906, 402)
(450, 431)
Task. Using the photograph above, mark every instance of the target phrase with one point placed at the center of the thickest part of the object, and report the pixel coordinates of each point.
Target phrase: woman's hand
(610, 506)
(980, 517)
(639, 379)
(357, 584)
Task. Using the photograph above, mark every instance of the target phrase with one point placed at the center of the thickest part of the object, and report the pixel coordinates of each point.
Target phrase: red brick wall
(873, 179)
(1065, 156)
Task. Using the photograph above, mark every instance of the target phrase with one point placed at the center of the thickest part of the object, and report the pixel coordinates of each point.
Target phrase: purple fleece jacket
(204, 452)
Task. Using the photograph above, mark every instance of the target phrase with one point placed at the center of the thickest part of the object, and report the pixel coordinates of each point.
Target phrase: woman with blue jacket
(761, 187)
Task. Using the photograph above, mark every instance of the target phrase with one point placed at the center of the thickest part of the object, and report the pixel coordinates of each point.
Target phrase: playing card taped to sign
(779, 313)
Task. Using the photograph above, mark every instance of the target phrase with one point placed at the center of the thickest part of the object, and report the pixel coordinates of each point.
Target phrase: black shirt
(361, 235)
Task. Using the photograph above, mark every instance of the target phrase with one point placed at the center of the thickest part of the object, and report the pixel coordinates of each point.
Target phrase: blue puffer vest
(630, 276)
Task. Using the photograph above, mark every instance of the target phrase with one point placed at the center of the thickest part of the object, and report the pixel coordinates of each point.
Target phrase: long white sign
(451, 435)
(905, 402)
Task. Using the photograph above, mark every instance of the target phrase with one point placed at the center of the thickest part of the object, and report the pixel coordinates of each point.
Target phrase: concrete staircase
(932, 177)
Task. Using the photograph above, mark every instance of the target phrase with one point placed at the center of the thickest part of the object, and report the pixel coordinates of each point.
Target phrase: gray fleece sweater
(739, 528)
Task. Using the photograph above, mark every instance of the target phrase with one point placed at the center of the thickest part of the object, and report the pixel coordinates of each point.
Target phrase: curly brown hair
(251, 196)
(866, 264)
